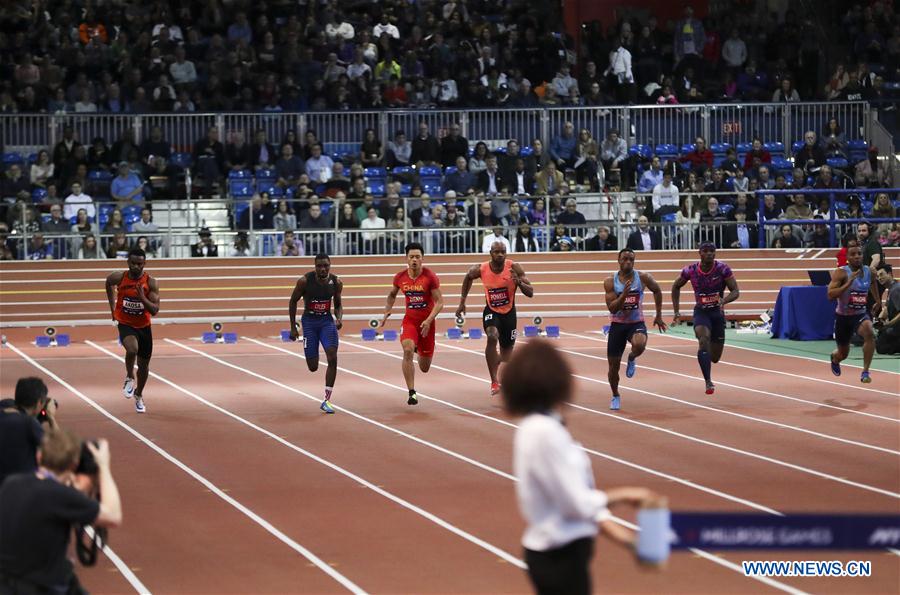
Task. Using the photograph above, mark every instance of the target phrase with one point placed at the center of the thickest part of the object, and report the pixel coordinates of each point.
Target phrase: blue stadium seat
(837, 162)
(132, 211)
(375, 173)
(719, 149)
(687, 148)
(12, 159)
(376, 188)
(240, 188)
(774, 147)
(402, 170)
(780, 164)
(726, 208)
(744, 147)
(430, 171)
(797, 145)
(241, 174)
(642, 151)
(432, 188)
(670, 218)
(38, 195)
(526, 151)
(275, 192)
(239, 208)
(666, 150)
(405, 189)
(450, 169)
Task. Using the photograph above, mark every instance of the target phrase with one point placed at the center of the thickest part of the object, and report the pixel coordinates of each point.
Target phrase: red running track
(400, 499)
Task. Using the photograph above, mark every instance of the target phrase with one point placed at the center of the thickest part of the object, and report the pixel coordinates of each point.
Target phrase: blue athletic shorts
(714, 320)
(619, 334)
(846, 325)
(318, 329)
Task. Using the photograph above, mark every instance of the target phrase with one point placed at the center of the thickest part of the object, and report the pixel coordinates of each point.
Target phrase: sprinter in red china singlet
(133, 299)
(424, 302)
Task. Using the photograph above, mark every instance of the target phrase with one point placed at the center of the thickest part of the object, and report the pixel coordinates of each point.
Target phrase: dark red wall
(607, 12)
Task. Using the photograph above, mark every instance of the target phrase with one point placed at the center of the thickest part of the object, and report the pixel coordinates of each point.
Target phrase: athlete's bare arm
(840, 282)
(474, 273)
(650, 283)
(615, 302)
(873, 290)
(151, 299)
(296, 296)
(676, 298)
(391, 296)
(338, 304)
(112, 282)
(521, 281)
(734, 291)
(438, 299)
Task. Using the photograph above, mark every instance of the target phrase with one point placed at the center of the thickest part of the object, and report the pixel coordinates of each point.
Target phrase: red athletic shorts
(412, 331)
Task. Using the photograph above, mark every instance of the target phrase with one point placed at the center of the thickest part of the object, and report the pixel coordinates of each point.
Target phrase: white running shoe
(128, 388)
(139, 405)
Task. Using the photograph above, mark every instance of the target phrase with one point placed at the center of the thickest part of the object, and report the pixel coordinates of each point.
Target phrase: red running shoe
(495, 388)
(710, 388)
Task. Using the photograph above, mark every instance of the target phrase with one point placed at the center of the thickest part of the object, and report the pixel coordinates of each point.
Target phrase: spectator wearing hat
(205, 247)
(126, 187)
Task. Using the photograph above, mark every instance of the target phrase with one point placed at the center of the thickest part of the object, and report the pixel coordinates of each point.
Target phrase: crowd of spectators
(279, 55)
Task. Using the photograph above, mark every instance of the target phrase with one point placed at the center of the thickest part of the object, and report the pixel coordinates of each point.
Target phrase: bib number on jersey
(416, 300)
(857, 300)
(498, 297)
(631, 301)
(132, 306)
(319, 308)
(709, 300)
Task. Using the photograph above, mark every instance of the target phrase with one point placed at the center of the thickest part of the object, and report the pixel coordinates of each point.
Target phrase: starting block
(532, 331)
(553, 331)
(53, 340)
(211, 337)
(458, 333)
(475, 333)
(389, 336)
(454, 333)
(285, 336)
(369, 334)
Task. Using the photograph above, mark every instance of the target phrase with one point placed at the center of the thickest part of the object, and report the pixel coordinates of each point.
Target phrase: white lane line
(732, 566)
(130, 576)
(323, 566)
(755, 390)
(701, 406)
(746, 453)
(704, 554)
(811, 359)
(596, 453)
(754, 368)
(317, 458)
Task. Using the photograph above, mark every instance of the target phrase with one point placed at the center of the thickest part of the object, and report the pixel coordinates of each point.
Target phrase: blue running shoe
(865, 378)
(326, 407)
(615, 403)
(835, 368)
(630, 368)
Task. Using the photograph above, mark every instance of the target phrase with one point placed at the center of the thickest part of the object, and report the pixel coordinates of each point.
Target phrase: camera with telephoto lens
(88, 539)
(42, 414)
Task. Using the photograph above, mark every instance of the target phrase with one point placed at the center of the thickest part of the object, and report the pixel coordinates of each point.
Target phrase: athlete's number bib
(857, 300)
(132, 306)
(631, 301)
(709, 300)
(498, 297)
(415, 300)
(319, 307)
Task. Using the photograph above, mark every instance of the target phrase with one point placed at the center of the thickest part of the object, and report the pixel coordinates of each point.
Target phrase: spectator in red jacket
(701, 158)
(757, 152)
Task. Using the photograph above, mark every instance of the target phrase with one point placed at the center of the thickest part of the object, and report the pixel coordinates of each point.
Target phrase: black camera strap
(88, 541)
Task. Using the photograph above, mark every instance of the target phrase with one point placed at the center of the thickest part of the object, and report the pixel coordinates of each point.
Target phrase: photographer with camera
(38, 511)
(20, 426)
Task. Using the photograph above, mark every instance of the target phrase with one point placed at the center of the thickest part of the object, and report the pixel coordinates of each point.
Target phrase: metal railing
(681, 229)
(343, 131)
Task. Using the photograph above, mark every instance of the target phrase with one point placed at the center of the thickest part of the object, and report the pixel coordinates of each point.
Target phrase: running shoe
(495, 388)
(710, 388)
(128, 388)
(412, 400)
(139, 405)
(865, 378)
(835, 368)
(326, 407)
(615, 403)
(630, 368)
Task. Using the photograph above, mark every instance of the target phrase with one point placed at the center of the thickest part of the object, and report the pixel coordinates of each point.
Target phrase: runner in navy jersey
(318, 289)
(709, 278)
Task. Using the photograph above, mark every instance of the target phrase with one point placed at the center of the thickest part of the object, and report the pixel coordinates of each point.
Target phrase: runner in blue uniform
(318, 289)
(709, 278)
(850, 286)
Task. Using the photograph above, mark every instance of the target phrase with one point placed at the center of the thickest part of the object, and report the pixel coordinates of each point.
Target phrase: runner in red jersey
(133, 298)
(424, 302)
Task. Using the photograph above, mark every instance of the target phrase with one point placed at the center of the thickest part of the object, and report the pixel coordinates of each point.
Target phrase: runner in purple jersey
(709, 278)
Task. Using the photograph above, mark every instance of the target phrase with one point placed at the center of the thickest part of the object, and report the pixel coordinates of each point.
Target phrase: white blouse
(555, 490)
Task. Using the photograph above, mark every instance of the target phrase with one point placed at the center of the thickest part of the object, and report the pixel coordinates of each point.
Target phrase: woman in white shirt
(42, 169)
(555, 489)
